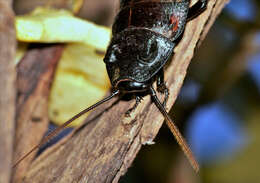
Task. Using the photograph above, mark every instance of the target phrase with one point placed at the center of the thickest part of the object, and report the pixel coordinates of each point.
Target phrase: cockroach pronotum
(145, 33)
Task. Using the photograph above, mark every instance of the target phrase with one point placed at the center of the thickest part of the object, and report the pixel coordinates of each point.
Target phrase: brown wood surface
(103, 150)
(7, 89)
(34, 76)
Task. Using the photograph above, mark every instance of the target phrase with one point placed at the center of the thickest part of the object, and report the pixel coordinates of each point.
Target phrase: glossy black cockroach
(145, 33)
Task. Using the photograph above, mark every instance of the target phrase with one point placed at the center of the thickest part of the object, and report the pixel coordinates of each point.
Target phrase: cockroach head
(135, 56)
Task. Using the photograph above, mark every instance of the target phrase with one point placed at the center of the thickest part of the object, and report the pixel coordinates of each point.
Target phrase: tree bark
(34, 76)
(103, 150)
(8, 90)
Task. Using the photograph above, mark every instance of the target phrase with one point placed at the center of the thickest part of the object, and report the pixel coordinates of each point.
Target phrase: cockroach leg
(138, 100)
(161, 86)
(197, 9)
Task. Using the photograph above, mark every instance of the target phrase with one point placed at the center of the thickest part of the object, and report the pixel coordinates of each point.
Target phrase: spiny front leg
(161, 86)
(138, 100)
(197, 9)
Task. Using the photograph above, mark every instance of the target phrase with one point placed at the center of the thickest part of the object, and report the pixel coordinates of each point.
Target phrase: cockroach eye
(114, 54)
(116, 50)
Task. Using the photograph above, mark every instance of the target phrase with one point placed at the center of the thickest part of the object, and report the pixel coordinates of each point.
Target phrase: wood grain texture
(7, 89)
(103, 150)
(34, 76)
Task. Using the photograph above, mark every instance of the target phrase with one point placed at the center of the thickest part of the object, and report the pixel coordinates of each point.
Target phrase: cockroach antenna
(175, 131)
(56, 131)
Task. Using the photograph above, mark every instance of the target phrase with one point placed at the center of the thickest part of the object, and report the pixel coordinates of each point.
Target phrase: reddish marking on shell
(175, 22)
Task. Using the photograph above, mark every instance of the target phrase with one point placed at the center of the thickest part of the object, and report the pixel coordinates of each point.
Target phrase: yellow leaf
(52, 26)
(80, 81)
(81, 78)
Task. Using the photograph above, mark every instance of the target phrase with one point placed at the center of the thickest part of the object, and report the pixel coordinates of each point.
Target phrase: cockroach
(144, 35)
